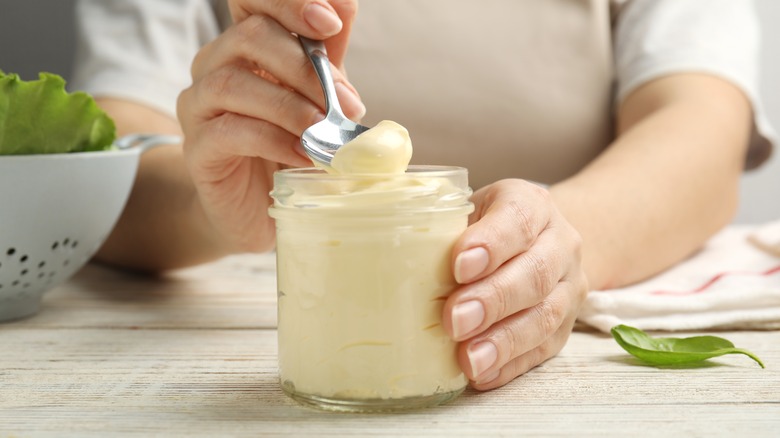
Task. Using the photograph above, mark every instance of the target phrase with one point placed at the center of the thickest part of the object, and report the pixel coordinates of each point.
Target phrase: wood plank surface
(235, 292)
(194, 354)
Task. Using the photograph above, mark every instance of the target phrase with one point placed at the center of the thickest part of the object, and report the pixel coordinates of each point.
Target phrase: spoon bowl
(324, 138)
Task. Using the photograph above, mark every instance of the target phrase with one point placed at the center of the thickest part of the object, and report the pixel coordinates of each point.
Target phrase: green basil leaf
(672, 351)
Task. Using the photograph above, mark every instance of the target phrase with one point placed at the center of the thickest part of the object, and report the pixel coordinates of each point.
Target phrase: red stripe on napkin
(714, 280)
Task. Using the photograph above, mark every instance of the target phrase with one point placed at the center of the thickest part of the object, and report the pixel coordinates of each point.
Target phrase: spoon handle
(318, 56)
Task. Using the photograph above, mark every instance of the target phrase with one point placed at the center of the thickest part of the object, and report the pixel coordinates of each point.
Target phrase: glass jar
(363, 270)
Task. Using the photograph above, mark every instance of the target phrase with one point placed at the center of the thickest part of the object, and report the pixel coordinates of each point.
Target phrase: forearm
(162, 226)
(667, 183)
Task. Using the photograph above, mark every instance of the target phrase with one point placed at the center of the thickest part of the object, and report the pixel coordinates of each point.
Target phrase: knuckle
(217, 129)
(524, 220)
(503, 289)
(285, 102)
(541, 276)
(543, 352)
(508, 340)
(552, 347)
(182, 102)
(304, 70)
(550, 317)
(253, 30)
(217, 84)
(491, 235)
(222, 127)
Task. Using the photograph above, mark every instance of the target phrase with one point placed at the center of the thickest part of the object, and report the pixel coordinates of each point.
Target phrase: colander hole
(51, 274)
(65, 242)
(23, 258)
(74, 244)
(41, 275)
(26, 285)
(55, 245)
(11, 251)
(24, 272)
(66, 263)
(41, 265)
(15, 283)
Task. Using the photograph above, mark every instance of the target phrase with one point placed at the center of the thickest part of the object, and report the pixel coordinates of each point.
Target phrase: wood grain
(194, 354)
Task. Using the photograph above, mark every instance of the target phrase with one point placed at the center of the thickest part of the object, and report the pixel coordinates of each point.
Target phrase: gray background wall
(37, 35)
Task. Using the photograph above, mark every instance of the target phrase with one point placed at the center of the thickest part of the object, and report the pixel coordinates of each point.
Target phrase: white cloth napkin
(732, 283)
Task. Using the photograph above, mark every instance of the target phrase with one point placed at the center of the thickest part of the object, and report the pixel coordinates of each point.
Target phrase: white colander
(55, 212)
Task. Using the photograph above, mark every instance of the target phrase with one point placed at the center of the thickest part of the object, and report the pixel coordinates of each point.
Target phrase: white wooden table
(194, 353)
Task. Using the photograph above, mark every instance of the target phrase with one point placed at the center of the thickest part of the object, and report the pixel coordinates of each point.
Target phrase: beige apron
(518, 88)
(506, 88)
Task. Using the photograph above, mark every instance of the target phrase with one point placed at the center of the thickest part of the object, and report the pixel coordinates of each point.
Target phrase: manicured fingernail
(489, 377)
(322, 19)
(466, 317)
(481, 357)
(350, 101)
(469, 264)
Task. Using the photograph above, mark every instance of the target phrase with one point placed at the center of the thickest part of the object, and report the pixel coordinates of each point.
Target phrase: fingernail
(489, 377)
(481, 357)
(350, 101)
(322, 19)
(469, 264)
(466, 317)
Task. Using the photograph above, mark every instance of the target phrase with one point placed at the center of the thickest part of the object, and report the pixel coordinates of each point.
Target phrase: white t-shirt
(507, 88)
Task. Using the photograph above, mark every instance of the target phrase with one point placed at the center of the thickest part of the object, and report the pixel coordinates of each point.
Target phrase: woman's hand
(253, 94)
(522, 284)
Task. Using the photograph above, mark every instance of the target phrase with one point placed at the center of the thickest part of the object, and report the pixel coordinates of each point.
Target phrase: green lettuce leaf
(40, 117)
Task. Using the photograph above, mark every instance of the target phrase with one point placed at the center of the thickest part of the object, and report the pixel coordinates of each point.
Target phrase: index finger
(317, 19)
(510, 215)
(311, 18)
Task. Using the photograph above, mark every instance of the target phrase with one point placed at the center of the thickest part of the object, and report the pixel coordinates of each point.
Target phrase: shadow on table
(633, 361)
(113, 284)
(264, 402)
(102, 297)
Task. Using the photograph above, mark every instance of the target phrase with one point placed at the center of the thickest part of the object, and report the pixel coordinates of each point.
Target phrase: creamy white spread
(362, 282)
(386, 148)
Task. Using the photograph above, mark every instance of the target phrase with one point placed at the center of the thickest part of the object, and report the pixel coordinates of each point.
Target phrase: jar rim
(414, 170)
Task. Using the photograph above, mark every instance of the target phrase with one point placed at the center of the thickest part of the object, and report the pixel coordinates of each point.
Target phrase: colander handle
(146, 141)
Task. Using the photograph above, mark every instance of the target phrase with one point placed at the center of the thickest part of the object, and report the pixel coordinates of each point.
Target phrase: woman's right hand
(253, 93)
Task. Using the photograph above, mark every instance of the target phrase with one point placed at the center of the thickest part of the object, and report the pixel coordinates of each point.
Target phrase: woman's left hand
(522, 283)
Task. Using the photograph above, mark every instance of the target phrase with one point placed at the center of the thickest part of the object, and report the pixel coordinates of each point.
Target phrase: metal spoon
(322, 139)
(145, 141)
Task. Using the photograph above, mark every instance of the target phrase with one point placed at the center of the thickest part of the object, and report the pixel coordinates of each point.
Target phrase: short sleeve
(654, 38)
(140, 50)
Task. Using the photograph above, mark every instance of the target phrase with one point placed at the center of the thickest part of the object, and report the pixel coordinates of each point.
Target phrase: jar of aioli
(363, 270)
